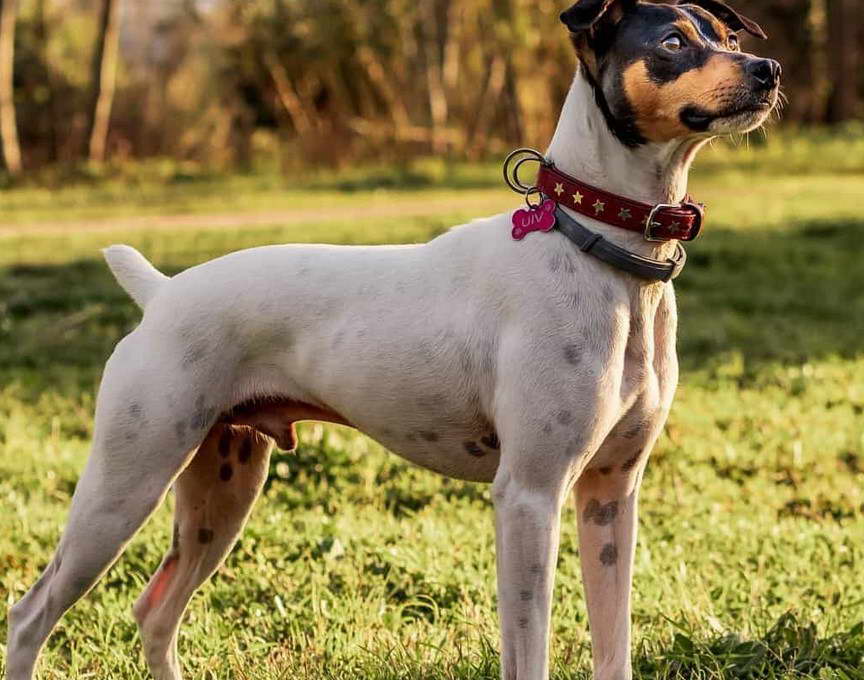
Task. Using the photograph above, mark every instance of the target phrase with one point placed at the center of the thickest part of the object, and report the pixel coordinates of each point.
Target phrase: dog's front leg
(527, 523)
(606, 506)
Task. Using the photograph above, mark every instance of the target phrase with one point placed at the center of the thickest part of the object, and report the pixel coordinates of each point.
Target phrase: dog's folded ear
(733, 19)
(586, 13)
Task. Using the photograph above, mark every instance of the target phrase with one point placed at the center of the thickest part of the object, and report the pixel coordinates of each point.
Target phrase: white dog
(530, 364)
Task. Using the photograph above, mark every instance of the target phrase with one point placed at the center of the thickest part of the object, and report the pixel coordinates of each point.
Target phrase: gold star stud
(577, 198)
(598, 206)
(559, 189)
(624, 214)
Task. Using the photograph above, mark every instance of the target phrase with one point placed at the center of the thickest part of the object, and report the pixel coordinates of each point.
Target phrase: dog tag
(539, 218)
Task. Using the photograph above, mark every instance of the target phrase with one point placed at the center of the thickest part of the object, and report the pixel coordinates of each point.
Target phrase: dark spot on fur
(572, 354)
(194, 353)
(428, 436)
(245, 452)
(630, 463)
(411, 437)
(491, 441)
(601, 514)
(523, 622)
(226, 472)
(564, 417)
(535, 568)
(473, 448)
(225, 443)
(605, 470)
(205, 536)
(608, 293)
(175, 538)
(547, 428)
(526, 595)
(609, 554)
(130, 435)
(634, 431)
(180, 429)
(135, 410)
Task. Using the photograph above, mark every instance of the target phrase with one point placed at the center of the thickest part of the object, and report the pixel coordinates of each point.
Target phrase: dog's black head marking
(661, 72)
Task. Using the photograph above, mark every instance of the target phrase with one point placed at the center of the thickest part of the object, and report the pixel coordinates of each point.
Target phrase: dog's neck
(583, 146)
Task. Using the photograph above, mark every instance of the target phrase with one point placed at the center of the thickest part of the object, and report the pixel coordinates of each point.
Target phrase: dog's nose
(766, 72)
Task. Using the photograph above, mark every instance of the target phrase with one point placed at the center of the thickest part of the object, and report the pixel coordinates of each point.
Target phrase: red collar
(661, 222)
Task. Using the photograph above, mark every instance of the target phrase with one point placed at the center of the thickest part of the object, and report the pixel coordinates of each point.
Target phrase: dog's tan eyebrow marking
(721, 31)
(690, 31)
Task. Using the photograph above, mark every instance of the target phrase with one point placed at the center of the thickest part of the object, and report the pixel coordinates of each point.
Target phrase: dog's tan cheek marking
(599, 513)
(658, 107)
(205, 536)
(609, 555)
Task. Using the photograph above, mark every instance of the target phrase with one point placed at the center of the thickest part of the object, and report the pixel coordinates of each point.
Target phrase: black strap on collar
(644, 267)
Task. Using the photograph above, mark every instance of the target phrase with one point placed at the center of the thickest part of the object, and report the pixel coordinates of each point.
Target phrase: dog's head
(668, 71)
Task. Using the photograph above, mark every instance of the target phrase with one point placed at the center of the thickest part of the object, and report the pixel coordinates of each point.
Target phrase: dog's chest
(649, 376)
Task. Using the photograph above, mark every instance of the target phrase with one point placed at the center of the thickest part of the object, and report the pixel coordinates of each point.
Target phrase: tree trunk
(41, 35)
(8, 125)
(104, 77)
(842, 60)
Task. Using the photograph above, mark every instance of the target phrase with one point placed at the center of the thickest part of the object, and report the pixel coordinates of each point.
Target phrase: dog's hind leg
(149, 419)
(214, 496)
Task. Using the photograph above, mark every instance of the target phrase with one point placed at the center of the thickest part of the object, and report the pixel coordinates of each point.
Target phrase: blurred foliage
(298, 83)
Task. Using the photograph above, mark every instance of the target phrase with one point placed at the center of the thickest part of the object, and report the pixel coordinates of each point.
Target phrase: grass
(357, 565)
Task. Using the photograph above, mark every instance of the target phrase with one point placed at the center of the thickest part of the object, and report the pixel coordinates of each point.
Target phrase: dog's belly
(463, 448)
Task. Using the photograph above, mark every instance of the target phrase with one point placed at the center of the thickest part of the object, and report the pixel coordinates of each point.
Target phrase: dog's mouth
(739, 117)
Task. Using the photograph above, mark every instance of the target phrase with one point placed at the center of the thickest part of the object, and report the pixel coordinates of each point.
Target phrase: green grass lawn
(357, 565)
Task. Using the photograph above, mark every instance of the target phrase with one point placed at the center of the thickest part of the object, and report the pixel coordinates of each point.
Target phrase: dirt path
(472, 203)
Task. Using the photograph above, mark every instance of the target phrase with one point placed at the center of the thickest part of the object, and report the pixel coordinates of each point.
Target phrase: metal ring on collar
(514, 161)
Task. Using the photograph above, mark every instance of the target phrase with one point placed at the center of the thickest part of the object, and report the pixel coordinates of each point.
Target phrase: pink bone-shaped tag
(541, 218)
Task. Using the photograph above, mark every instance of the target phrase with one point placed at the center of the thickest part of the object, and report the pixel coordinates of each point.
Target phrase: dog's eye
(732, 41)
(672, 43)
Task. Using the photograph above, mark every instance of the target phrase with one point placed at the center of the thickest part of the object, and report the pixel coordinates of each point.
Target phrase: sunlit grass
(357, 565)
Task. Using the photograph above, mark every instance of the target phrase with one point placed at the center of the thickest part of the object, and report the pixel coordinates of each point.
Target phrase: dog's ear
(586, 14)
(734, 20)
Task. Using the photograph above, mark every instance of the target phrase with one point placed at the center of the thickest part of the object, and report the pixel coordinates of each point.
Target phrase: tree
(8, 125)
(104, 77)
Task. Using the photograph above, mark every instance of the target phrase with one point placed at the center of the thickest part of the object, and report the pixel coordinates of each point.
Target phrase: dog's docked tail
(134, 273)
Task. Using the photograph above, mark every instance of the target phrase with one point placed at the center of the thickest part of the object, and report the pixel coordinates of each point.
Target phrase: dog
(525, 363)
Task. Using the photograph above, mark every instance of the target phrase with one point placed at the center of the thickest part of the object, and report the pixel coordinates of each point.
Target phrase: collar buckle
(651, 223)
